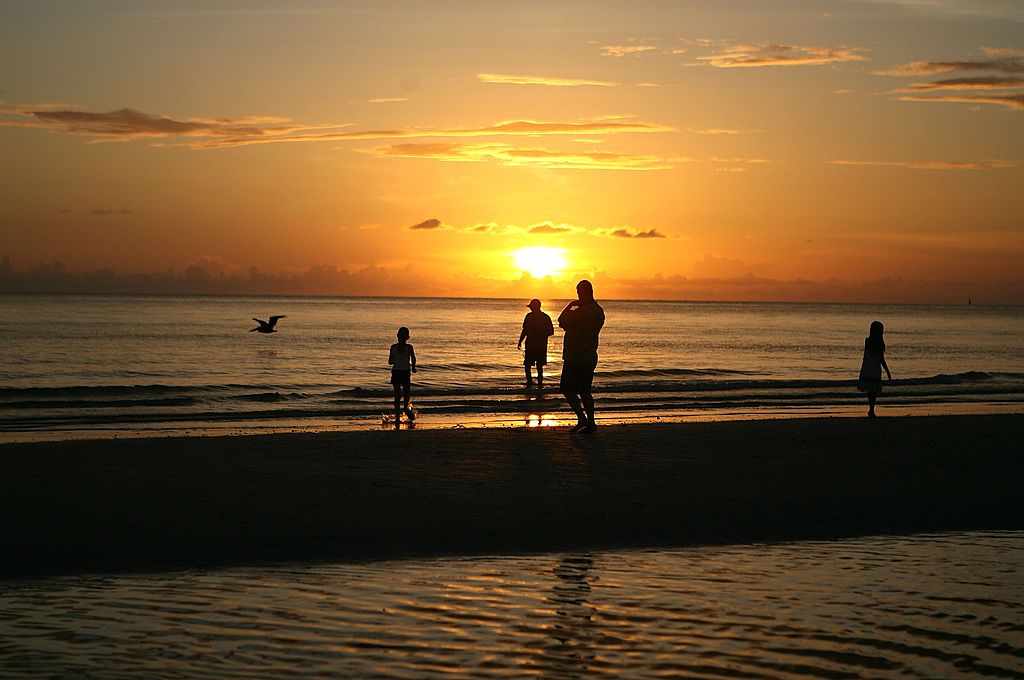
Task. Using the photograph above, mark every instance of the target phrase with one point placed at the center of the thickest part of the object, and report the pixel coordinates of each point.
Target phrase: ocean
(942, 605)
(125, 365)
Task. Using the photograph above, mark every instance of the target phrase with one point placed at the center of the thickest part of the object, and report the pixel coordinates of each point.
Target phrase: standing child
(403, 364)
(870, 380)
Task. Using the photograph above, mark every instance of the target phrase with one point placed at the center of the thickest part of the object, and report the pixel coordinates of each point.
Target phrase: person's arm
(564, 319)
(522, 336)
(885, 366)
(550, 329)
(412, 359)
(391, 356)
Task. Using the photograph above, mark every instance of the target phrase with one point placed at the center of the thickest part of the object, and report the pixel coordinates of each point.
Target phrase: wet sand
(155, 504)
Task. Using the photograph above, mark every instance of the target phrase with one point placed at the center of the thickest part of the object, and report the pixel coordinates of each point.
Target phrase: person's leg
(406, 389)
(529, 376)
(587, 398)
(574, 404)
(540, 375)
(569, 386)
(871, 404)
(398, 402)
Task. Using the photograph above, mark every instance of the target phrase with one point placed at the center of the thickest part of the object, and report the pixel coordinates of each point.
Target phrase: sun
(540, 261)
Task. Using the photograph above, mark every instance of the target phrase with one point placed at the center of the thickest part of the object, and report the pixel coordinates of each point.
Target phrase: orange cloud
(625, 50)
(431, 224)
(626, 232)
(980, 83)
(499, 79)
(219, 133)
(132, 124)
(933, 165)
(1002, 60)
(548, 228)
(1013, 101)
(525, 156)
(764, 54)
(718, 131)
(507, 128)
(919, 68)
(490, 228)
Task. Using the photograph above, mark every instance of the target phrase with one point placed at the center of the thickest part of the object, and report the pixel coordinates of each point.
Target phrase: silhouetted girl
(870, 380)
(403, 364)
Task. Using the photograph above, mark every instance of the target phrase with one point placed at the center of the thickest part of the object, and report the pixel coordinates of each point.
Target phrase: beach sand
(156, 504)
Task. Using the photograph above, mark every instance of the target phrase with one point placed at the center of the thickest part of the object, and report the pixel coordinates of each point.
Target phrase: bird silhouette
(266, 326)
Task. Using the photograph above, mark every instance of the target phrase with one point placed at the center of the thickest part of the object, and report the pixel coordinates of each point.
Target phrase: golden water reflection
(542, 420)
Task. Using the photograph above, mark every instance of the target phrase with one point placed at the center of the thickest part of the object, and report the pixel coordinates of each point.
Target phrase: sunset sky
(864, 150)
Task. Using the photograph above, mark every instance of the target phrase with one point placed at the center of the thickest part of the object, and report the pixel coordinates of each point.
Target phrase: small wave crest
(106, 403)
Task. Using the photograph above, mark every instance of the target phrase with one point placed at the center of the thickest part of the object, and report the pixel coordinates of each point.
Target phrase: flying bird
(266, 326)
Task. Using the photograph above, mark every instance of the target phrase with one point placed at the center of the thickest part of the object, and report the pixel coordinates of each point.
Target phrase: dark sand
(154, 504)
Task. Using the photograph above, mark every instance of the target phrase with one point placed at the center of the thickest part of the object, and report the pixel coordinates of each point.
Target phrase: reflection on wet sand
(935, 606)
(542, 420)
(573, 632)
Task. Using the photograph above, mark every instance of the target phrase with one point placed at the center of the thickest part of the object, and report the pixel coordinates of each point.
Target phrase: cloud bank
(127, 124)
(1005, 61)
(208, 278)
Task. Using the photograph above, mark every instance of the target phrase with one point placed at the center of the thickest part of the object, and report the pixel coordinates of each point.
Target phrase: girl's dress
(870, 379)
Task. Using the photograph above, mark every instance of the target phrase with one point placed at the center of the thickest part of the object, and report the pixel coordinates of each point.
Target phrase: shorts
(576, 378)
(401, 378)
(535, 354)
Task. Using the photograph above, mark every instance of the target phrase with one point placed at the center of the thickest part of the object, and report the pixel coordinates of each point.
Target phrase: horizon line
(969, 303)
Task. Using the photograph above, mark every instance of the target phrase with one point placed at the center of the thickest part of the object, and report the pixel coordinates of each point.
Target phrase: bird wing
(273, 320)
(262, 323)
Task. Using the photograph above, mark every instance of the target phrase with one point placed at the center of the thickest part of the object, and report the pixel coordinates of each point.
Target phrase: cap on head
(534, 304)
(403, 333)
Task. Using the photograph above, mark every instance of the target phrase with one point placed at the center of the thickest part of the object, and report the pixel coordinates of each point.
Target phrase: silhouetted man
(582, 320)
(537, 329)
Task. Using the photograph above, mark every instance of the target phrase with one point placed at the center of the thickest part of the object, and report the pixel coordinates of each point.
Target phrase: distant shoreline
(172, 503)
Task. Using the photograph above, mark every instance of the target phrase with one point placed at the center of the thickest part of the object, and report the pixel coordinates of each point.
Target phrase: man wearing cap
(536, 330)
(582, 320)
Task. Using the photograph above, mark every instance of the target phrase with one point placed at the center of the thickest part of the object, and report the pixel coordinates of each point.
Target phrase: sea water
(124, 364)
(939, 606)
